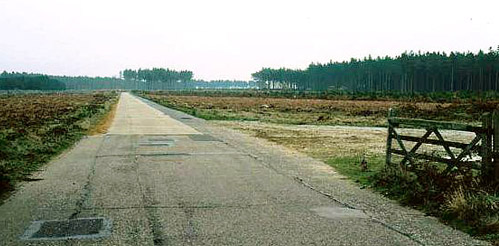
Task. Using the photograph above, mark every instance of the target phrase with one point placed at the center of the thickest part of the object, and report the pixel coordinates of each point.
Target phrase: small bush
(424, 187)
(479, 209)
(466, 205)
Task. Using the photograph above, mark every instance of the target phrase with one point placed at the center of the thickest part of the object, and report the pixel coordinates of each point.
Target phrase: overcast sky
(231, 39)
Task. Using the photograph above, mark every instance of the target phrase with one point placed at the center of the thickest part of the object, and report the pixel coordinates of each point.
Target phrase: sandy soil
(324, 142)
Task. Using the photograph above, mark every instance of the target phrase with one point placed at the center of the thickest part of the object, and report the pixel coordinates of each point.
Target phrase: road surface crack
(87, 189)
(157, 229)
(384, 224)
(190, 233)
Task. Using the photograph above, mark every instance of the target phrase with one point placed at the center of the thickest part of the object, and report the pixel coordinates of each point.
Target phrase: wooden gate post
(495, 145)
(389, 141)
(487, 170)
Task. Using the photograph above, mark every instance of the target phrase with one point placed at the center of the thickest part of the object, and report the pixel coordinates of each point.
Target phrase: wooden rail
(485, 142)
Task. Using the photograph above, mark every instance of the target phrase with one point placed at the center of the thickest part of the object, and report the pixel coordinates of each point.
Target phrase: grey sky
(230, 39)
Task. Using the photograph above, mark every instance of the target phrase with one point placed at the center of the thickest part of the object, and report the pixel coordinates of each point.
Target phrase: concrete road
(160, 177)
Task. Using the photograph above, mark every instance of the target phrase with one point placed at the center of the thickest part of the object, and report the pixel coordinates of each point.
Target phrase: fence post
(389, 140)
(487, 171)
(495, 146)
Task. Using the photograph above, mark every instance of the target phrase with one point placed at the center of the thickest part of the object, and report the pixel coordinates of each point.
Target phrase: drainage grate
(186, 118)
(202, 137)
(85, 228)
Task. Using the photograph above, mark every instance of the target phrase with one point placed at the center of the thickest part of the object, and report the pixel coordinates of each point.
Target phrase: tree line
(167, 79)
(142, 79)
(24, 81)
(94, 83)
(409, 72)
(406, 73)
(106, 83)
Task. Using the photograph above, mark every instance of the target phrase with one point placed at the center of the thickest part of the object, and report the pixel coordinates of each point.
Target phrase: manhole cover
(84, 228)
(202, 137)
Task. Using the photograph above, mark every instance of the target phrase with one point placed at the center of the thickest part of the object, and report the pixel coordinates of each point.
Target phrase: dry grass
(103, 125)
(320, 142)
(477, 208)
(324, 142)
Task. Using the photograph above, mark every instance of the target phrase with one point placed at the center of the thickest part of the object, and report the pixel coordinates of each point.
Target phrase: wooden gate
(484, 145)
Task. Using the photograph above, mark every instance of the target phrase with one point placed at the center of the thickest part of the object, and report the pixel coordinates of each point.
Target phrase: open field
(36, 127)
(320, 111)
(447, 96)
(325, 142)
(323, 129)
(343, 147)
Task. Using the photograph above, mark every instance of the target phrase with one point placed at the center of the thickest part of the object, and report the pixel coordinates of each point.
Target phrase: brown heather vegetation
(321, 111)
(35, 127)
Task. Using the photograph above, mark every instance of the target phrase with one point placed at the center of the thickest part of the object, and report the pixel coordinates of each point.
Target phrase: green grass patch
(350, 167)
